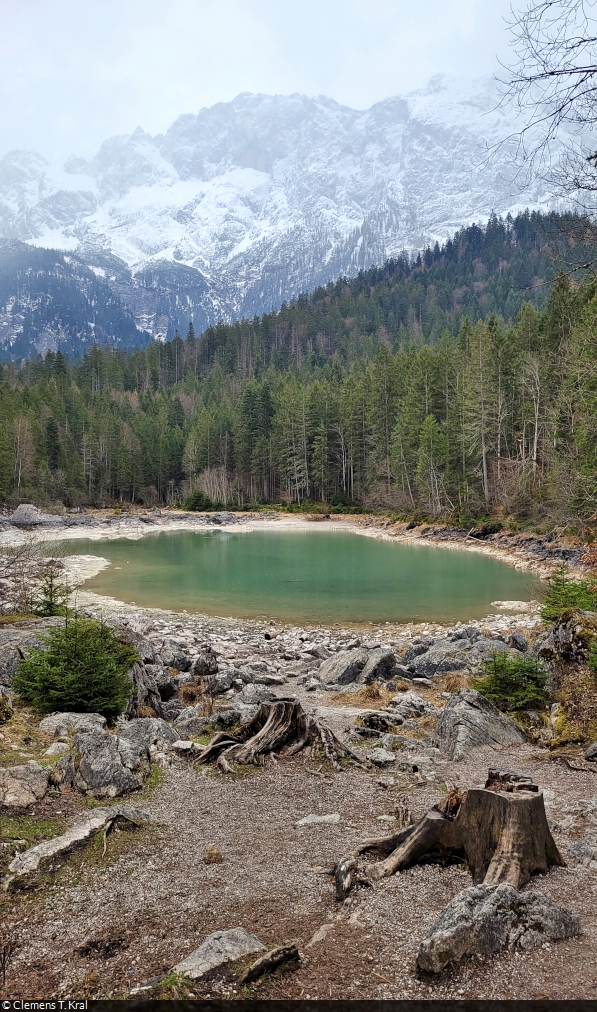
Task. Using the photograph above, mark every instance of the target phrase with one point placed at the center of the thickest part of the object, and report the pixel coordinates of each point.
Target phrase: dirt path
(152, 899)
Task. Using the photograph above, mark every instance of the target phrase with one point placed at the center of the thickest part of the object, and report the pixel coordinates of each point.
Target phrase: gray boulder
(222, 681)
(9, 662)
(164, 682)
(439, 660)
(343, 668)
(204, 663)
(591, 753)
(61, 724)
(411, 705)
(148, 731)
(244, 712)
(27, 515)
(219, 948)
(108, 765)
(469, 721)
(378, 666)
(252, 695)
(190, 723)
(140, 643)
(485, 919)
(173, 655)
(145, 692)
(21, 786)
(172, 709)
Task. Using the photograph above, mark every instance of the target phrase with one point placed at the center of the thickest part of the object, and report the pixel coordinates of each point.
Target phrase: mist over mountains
(238, 208)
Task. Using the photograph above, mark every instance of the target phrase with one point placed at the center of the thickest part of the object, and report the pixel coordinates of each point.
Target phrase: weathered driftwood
(287, 953)
(279, 726)
(501, 832)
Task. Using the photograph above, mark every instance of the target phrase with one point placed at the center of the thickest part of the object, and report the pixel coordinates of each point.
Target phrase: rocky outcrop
(378, 666)
(462, 650)
(190, 723)
(343, 668)
(145, 695)
(410, 705)
(149, 732)
(483, 920)
(62, 724)
(21, 786)
(219, 948)
(37, 858)
(106, 765)
(469, 721)
(27, 515)
(569, 638)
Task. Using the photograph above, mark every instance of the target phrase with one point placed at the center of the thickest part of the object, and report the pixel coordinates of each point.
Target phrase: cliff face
(250, 202)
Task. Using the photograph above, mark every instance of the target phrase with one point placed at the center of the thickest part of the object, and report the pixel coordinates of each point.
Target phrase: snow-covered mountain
(250, 202)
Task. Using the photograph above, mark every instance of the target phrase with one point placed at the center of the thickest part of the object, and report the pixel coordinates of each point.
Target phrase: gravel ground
(101, 926)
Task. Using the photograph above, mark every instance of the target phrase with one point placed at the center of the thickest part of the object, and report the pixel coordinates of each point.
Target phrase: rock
(483, 920)
(58, 748)
(148, 731)
(401, 671)
(288, 953)
(38, 857)
(172, 709)
(23, 785)
(269, 679)
(378, 666)
(221, 682)
(569, 638)
(343, 668)
(584, 850)
(61, 724)
(319, 820)
(140, 643)
(165, 683)
(518, 642)
(439, 660)
(469, 721)
(189, 723)
(211, 855)
(145, 693)
(312, 684)
(6, 704)
(219, 948)
(108, 765)
(227, 716)
(423, 681)
(591, 753)
(381, 757)
(244, 711)
(27, 515)
(411, 704)
(204, 663)
(9, 662)
(255, 694)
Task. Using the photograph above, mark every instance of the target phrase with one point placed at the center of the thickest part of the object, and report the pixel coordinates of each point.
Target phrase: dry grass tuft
(189, 693)
(453, 682)
(374, 696)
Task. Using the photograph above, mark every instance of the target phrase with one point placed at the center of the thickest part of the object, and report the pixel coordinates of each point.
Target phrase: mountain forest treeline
(412, 388)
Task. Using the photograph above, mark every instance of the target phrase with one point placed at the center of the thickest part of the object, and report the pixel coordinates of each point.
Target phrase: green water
(303, 576)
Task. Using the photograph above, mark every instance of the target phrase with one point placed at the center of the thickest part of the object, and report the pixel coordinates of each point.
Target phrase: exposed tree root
(500, 831)
(279, 726)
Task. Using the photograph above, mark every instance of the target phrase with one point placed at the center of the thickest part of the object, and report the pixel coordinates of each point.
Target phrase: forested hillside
(443, 388)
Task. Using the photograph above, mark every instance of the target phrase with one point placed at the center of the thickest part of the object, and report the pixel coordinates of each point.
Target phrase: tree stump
(279, 726)
(500, 830)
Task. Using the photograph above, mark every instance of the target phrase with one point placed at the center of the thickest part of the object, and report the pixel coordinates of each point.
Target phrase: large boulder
(569, 638)
(469, 721)
(62, 724)
(378, 665)
(253, 695)
(411, 705)
(219, 948)
(149, 731)
(9, 662)
(145, 694)
(21, 786)
(27, 515)
(485, 919)
(204, 663)
(174, 655)
(190, 723)
(343, 668)
(108, 765)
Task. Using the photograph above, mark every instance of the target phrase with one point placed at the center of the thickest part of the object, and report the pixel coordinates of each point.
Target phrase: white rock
(319, 820)
(58, 748)
(219, 948)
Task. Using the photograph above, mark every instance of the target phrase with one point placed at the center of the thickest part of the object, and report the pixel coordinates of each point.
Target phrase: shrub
(563, 593)
(84, 670)
(197, 502)
(513, 683)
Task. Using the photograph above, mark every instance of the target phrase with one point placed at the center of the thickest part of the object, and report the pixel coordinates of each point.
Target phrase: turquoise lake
(303, 576)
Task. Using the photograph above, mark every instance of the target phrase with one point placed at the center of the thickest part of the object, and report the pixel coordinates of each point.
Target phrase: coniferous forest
(461, 383)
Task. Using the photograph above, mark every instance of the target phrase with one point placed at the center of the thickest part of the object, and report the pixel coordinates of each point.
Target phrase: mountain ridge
(249, 203)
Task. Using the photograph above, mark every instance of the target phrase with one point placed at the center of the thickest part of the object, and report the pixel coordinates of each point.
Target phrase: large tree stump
(500, 830)
(279, 726)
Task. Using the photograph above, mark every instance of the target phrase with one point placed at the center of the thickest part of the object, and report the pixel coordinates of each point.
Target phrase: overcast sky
(73, 72)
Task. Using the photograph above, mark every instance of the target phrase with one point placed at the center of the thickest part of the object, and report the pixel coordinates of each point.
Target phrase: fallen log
(500, 831)
(280, 726)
